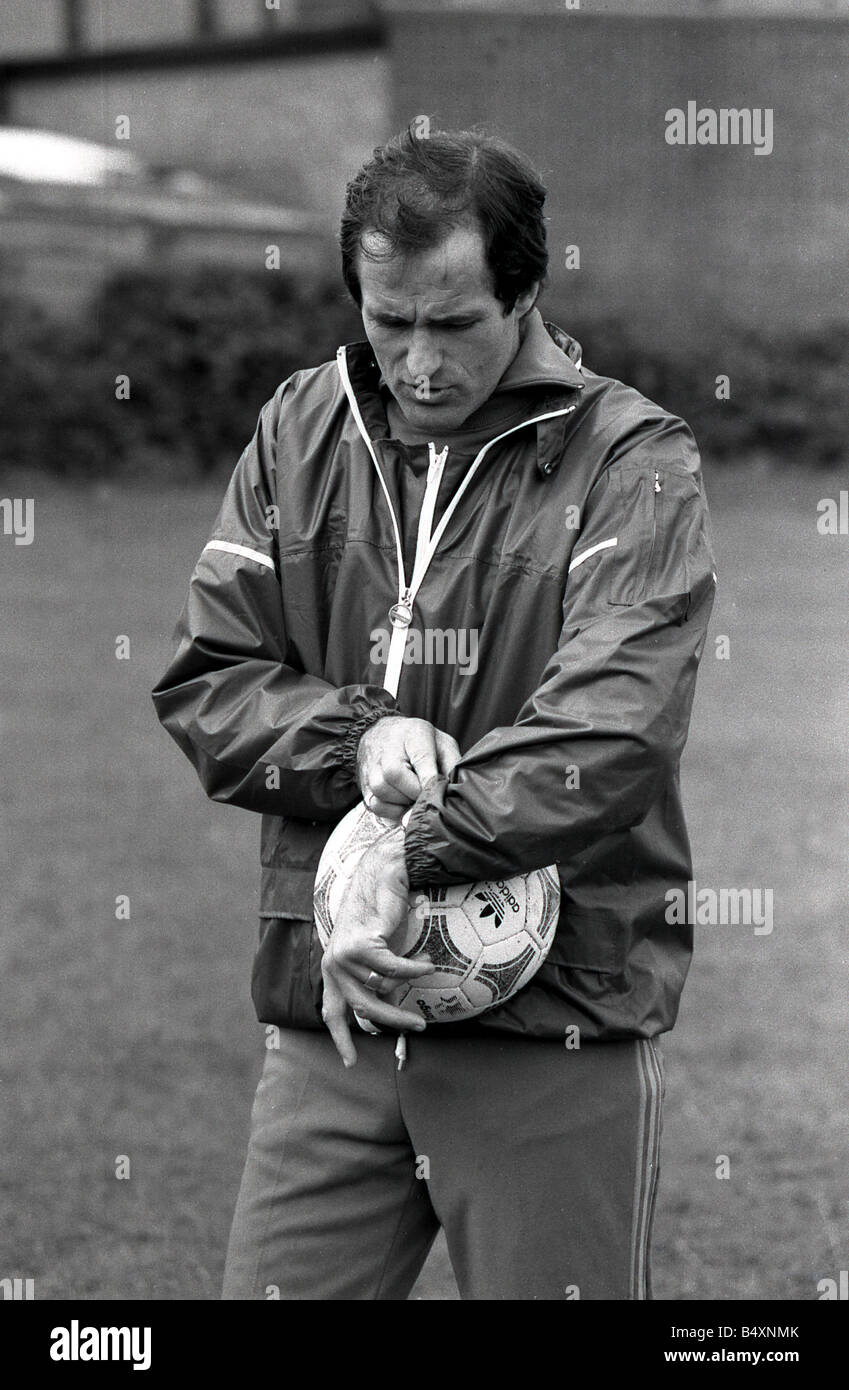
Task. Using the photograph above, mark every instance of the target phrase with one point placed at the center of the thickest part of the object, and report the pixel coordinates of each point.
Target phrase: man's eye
(440, 327)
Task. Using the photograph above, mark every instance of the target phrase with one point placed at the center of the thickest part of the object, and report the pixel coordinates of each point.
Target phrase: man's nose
(423, 358)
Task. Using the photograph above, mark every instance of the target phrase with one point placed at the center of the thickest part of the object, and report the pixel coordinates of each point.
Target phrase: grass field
(137, 1037)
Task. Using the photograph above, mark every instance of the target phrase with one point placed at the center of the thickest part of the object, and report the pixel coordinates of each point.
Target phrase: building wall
(291, 130)
(27, 28)
(675, 238)
(31, 28)
(62, 264)
(287, 121)
(674, 8)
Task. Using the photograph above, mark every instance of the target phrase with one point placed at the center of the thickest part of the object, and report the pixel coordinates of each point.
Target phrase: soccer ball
(486, 939)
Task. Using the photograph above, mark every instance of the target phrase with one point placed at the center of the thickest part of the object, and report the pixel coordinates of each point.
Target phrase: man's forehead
(452, 274)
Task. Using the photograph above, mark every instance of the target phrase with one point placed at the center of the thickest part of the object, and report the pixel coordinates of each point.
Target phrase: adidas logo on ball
(493, 907)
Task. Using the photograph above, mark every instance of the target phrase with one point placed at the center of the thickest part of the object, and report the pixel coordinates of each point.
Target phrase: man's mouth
(432, 396)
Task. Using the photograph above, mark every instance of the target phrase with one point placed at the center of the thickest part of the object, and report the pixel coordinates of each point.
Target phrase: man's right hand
(396, 757)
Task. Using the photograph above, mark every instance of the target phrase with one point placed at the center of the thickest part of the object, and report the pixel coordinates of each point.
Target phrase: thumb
(447, 752)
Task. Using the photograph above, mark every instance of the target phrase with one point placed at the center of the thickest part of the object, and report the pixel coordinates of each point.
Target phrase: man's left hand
(375, 905)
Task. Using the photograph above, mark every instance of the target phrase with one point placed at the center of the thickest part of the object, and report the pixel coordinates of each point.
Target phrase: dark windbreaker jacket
(580, 555)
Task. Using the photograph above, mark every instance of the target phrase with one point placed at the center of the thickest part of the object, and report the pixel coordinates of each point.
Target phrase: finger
(420, 747)
(377, 984)
(447, 752)
(386, 810)
(335, 1014)
(388, 786)
(366, 1026)
(380, 961)
(397, 782)
(371, 980)
(385, 1015)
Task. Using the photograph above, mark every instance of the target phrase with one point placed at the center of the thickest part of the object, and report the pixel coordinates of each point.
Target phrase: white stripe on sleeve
(593, 550)
(240, 550)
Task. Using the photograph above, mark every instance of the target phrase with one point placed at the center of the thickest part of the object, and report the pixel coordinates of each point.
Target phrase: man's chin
(448, 413)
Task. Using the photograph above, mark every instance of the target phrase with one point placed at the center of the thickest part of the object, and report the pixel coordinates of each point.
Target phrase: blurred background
(171, 177)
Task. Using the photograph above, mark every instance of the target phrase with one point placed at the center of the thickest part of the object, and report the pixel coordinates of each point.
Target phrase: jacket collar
(548, 360)
(547, 357)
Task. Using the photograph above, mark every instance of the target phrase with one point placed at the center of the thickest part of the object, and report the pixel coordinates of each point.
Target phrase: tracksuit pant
(539, 1161)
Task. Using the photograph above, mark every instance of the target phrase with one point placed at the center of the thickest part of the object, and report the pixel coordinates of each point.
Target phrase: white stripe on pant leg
(653, 1153)
(648, 1129)
(636, 1201)
(656, 1069)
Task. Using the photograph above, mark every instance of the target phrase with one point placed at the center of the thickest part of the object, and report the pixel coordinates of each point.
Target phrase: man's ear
(526, 301)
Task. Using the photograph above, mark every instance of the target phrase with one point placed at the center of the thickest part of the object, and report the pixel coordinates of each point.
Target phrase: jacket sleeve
(260, 731)
(594, 744)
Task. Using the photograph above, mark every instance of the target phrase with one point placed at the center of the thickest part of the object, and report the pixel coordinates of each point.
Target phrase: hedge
(204, 348)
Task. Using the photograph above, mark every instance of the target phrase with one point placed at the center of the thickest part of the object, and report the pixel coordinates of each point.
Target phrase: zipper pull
(656, 481)
(436, 462)
(401, 1050)
(401, 613)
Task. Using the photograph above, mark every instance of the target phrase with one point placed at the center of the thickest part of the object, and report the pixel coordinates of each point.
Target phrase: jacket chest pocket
(663, 537)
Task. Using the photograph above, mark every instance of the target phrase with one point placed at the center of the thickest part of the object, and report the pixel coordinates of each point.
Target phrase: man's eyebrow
(452, 315)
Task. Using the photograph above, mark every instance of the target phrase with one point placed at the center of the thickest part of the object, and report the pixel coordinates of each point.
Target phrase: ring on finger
(372, 980)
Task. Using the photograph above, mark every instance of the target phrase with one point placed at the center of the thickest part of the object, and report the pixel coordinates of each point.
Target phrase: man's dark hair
(416, 188)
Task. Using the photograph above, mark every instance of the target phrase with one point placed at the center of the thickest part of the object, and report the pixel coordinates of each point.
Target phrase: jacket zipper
(401, 612)
(657, 488)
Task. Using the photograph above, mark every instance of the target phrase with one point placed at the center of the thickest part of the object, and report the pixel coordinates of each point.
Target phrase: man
(460, 470)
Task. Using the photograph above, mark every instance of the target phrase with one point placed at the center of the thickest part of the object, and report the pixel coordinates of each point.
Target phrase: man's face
(440, 336)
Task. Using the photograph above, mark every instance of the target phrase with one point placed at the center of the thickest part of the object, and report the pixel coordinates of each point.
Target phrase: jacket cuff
(421, 865)
(346, 752)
